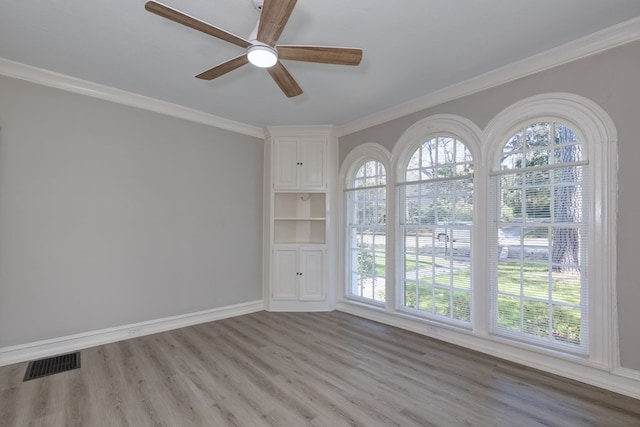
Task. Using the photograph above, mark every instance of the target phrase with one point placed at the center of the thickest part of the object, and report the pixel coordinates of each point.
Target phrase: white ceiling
(411, 48)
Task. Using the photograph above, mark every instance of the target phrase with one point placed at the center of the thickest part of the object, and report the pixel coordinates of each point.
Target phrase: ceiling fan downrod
(258, 4)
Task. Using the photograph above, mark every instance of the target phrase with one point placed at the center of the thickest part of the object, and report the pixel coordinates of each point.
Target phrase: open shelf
(299, 231)
(299, 218)
(299, 206)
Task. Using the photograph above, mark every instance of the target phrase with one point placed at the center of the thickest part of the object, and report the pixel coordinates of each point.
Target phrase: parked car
(458, 231)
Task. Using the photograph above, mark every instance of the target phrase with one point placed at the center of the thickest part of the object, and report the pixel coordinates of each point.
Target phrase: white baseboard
(297, 306)
(51, 347)
(627, 373)
(622, 380)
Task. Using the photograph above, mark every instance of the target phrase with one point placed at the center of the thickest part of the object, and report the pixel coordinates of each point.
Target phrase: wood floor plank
(252, 388)
(436, 386)
(301, 369)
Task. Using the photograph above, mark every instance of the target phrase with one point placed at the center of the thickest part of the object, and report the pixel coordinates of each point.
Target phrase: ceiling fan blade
(322, 54)
(273, 18)
(223, 68)
(196, 24)
(285, 80)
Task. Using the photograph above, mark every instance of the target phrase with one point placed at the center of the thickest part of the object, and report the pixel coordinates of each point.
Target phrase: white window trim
(350, 165)
(461, 129)
(438, 125)
(598, 134)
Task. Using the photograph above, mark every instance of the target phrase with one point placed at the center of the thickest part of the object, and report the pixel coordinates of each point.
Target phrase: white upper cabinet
(286, 163)
(299, 163)
(311, 153)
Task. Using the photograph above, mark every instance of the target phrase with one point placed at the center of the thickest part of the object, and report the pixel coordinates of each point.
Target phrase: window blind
(539, 255)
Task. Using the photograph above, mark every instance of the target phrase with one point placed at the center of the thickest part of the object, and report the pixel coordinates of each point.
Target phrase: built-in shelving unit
(299, 175)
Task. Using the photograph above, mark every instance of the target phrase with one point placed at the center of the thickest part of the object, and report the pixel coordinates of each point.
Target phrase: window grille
(367, 214)
(539, 252)
(436, 222)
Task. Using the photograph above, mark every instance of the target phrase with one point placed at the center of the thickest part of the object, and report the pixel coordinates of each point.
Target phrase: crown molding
(609, 38)
(71, 84)
(297, 131)
(600, 41)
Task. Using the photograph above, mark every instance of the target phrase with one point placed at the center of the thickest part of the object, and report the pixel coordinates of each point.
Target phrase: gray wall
(611, 79)
(111, 215)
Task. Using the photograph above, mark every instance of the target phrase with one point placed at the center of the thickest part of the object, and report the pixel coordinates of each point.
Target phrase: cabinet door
(311, 155)
(285, 274)
(285, 161)
(312, 279)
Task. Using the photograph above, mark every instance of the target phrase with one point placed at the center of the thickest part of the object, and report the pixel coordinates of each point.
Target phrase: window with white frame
(366, 223)
(436, 218)
(540, 268)
(537, 191)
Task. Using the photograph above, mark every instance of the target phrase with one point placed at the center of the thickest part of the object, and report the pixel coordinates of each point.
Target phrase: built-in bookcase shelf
(299, 231)
(299, 246)
(300, 205)
(299, 218)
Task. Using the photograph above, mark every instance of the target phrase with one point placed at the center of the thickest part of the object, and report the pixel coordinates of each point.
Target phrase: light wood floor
(301, 369)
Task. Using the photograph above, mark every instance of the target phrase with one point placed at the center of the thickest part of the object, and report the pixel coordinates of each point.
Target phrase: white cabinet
(300, 251)
(285, 274)
(312, 274)
(299, 163)
(299, 274)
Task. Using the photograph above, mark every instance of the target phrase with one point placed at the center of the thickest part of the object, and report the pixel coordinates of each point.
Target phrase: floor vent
(52, 365)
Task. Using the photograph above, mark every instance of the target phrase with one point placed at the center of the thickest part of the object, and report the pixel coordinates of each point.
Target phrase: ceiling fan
(261, 47)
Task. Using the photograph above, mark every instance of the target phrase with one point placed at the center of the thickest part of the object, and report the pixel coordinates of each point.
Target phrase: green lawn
(536, 278)
(434, 292)
(557, 320)
(560, 320)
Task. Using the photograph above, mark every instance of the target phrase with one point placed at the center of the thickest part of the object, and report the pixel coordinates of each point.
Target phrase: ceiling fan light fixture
(262, 56)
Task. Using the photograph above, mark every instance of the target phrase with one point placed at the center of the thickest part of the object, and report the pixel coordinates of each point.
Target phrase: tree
(365, 262)
(530, 148)
(566, 240)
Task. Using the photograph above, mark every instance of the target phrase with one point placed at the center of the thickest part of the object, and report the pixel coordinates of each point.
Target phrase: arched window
(366, 201)
(436, 219)
(506, 234)
(552, 194)
(540, 273)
